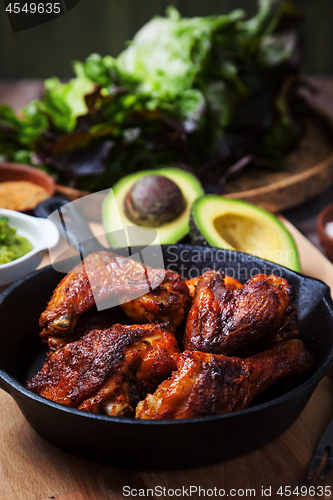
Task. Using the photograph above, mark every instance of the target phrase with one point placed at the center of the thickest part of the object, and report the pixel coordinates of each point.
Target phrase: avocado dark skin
(196, 238)
(153, 201)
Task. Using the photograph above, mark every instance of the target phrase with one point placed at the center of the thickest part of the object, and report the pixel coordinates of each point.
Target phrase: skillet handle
(71, 224)
(47, 207)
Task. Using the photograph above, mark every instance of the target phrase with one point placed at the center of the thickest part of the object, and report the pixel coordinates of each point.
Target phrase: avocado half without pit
(159, 199)
(237, 225)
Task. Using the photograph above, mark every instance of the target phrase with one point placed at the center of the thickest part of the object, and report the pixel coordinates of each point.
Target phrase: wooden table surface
(33, 469)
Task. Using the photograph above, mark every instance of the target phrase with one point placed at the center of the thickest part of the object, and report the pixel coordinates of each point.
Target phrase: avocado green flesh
(245, 234)
(115, 219)
(237, 225)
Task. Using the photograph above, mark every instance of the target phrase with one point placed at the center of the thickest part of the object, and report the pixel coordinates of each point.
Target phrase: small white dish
(41, 233)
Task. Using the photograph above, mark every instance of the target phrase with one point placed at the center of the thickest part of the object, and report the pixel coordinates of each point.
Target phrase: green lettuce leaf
(205, 91)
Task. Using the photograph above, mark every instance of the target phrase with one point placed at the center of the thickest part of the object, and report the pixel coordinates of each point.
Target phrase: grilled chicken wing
(206, 384)
(229, 282)
(108, 370)
(104, 276)
(99, 276)
(168, 303)
(221, 320)
(90, 320)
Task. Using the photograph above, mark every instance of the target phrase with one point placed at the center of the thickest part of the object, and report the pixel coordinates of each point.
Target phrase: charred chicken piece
(206, 384)
(91, 320)
(99, 276)
(229, 282)
(108, 370)
(221, 320)
(104, 276)
(168, 303)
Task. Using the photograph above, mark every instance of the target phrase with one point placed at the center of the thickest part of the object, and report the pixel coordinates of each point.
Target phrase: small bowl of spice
(325, 230)
(23, 241)
(23, 187)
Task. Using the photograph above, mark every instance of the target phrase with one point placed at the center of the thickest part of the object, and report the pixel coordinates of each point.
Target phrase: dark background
(103, 26)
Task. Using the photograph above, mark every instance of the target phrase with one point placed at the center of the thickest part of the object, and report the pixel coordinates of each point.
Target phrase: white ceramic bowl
(41, 233)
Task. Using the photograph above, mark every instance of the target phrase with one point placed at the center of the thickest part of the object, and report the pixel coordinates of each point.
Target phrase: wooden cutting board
(33, 469)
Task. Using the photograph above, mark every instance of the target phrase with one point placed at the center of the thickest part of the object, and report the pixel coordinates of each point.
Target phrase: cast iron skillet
(127, 442)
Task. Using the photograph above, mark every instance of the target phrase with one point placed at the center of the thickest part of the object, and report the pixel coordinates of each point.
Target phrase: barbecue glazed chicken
(100, 363)
(222, 320)
(108, 371)
(207, 384)
(168, 303)
(229, 282)
(104, 276)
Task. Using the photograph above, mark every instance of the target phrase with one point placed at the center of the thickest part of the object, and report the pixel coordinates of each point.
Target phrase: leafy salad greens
(201, 91)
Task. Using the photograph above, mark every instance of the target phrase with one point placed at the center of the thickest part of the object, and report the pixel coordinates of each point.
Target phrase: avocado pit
(154, 200)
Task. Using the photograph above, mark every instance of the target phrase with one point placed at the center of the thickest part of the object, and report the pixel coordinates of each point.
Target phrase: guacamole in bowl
(12, 246)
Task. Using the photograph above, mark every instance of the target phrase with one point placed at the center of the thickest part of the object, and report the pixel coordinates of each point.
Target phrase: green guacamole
(12, 246)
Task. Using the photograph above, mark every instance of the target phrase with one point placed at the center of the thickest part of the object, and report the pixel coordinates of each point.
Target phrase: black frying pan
(127, 442)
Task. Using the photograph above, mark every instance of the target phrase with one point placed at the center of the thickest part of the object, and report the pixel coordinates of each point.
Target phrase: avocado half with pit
(115, 218)
(237, 225)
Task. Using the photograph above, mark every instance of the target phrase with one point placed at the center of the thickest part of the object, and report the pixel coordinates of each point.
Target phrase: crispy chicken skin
(108, 370)
(221, 320)
(168, 303)
(206, 384)
(101, 273)
(122, 370)
(104, 275)
(90, 320)
(229, 282)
